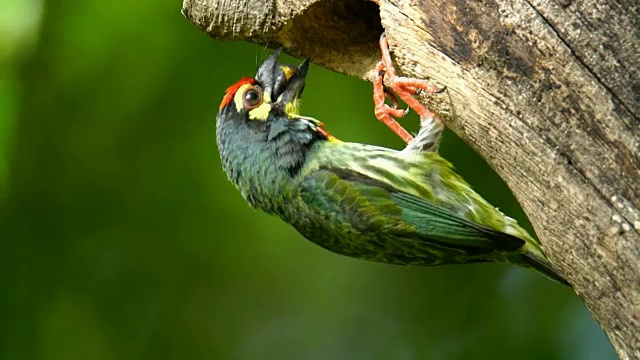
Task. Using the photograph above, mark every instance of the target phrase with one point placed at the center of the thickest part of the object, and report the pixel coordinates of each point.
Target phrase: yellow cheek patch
(261, 112)
(237, 99)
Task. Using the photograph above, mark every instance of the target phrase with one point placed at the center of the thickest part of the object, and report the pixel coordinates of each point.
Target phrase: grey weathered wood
(548, 92)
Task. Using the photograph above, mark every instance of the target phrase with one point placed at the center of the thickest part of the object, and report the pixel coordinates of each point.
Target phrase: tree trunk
(547, 92)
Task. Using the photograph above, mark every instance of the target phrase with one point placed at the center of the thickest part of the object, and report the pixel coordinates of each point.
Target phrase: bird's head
(275, 86)
(260, 132)
(270, 99)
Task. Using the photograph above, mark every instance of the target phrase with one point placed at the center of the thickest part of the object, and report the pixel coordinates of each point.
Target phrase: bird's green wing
(355, 198)
(450, 229)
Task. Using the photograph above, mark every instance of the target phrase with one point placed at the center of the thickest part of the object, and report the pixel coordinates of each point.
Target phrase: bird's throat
(263, 159)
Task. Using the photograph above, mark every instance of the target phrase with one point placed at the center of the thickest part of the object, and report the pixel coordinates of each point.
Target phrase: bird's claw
(405, 88)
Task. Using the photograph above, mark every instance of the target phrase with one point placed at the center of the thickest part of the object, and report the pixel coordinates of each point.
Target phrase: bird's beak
(295, 82)
(283, 83)
(266, 72)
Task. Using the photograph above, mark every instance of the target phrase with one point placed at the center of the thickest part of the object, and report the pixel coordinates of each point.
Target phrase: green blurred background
(122, 239)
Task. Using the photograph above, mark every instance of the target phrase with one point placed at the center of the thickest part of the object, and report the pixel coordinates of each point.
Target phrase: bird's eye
(252, 98)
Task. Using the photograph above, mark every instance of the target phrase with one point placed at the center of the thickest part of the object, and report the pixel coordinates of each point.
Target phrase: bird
(404, 207)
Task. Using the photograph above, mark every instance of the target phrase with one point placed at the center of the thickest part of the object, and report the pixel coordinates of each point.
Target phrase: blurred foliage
(122, 238)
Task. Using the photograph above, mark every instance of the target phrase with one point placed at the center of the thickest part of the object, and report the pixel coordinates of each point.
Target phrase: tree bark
(547, 92)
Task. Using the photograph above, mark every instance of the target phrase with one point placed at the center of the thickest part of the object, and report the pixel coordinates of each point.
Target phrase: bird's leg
(405, 88)
(384, 112)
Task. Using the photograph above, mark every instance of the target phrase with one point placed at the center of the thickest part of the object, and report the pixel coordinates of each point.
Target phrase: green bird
(404, 207)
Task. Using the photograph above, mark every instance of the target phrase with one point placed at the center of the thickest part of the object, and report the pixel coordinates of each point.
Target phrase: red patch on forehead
(231, 91)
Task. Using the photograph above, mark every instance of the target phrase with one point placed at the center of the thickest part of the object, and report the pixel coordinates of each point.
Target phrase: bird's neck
(263, 159)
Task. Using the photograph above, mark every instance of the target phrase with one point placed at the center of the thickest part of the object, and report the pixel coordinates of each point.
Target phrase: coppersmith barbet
(359, 200)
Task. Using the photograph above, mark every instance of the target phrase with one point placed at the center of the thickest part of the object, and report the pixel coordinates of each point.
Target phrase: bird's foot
(405, 88)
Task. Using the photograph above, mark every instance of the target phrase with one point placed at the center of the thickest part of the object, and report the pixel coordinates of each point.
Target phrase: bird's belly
(379, 246)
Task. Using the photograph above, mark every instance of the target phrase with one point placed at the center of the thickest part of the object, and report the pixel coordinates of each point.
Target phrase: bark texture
(547, 91)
